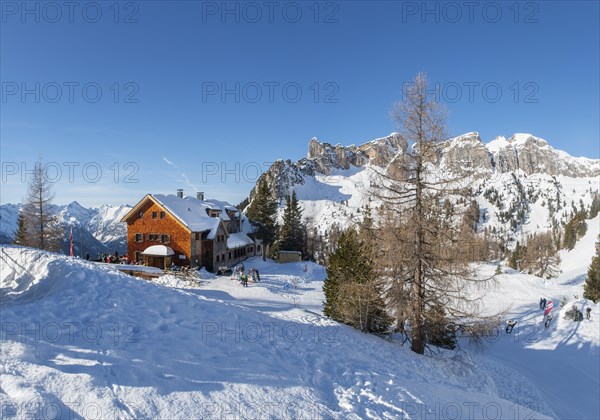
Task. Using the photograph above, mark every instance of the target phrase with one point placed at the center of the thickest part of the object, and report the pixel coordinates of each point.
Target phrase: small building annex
(188, 231)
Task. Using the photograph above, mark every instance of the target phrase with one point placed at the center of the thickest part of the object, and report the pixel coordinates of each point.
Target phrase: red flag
(71, 240)
(549, 306)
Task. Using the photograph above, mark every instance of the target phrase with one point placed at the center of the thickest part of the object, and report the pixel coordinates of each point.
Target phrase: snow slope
(563, 361)
(79, 339)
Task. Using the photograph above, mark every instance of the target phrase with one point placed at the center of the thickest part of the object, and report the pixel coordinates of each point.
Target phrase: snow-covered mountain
(95, 229)
(522, 184)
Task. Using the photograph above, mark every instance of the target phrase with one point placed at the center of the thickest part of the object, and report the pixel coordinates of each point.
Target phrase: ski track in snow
(108, 345)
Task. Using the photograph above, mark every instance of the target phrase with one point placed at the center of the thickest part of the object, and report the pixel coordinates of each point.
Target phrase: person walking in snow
(510, 325)
(244, 280)
(541, 303)
(544, 302)
(257, 274)
(548, 319)
(576, 316)
(588, 312)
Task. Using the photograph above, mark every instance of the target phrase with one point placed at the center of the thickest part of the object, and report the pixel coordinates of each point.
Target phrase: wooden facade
(150, 223)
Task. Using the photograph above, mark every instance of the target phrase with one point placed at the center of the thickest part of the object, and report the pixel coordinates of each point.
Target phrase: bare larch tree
(424, 251)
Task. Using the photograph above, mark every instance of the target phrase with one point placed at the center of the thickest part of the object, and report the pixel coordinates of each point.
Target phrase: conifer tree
(262, 212)
(441, 331)
(21, 236)
(591, 287)
(291, 235)
(352, 293)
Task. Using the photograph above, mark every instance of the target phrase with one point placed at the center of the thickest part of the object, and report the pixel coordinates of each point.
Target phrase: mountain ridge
(522, 184)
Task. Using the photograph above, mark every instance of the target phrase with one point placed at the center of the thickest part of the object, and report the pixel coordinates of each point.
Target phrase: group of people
(108, 258)
(574, 314)
(577, 315)
(243, 277)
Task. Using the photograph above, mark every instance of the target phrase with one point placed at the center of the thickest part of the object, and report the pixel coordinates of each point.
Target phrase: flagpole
(71, 242)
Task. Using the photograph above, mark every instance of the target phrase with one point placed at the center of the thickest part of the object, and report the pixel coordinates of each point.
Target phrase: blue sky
(150, 96)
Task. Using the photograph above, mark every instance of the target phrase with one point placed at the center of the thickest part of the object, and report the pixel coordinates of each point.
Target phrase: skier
(588, 312)
(510, 325)
(541, 303)
(257, 275)
(548, 319)
(244, 280)
(544, 302)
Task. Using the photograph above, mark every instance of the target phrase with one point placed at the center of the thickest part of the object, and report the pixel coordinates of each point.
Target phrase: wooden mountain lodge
(166, 230)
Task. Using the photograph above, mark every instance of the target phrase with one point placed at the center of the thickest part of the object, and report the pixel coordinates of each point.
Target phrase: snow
(191, 212)
(571, 261)
(87, 341)
(159, 250)
(237, 240)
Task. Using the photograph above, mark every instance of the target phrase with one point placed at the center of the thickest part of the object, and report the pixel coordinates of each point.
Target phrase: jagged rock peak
(378, 152)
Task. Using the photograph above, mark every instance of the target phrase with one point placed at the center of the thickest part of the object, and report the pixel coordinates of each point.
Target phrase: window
(162, 215)
(138, 256)
(153, 237)
(165, 239)
(217, 258)
(230, 255)
(155, 215)
(141, 215)
(139, 237)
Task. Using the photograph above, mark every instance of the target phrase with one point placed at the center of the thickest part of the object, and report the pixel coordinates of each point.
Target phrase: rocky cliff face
(524, 152)
(521, 152)
(323, 158)
(517, 183)
(534, 155)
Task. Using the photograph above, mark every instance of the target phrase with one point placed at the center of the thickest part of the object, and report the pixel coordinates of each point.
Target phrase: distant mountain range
(95, 230)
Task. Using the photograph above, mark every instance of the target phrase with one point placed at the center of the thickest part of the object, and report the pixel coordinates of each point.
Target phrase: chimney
(200, 196)
(180, 193)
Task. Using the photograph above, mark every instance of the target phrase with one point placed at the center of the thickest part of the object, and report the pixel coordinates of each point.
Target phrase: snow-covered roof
(159, 251)
(237, 240)
(193, 212)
